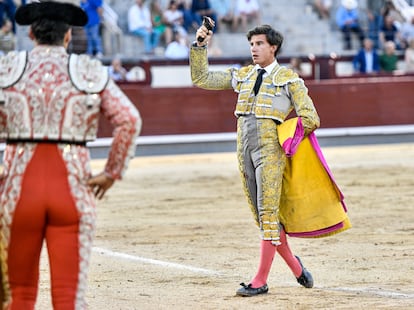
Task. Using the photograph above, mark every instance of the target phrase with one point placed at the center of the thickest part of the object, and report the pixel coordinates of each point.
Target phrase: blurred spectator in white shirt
(246, 11)
(174, 20)
(140, 24)
(178, 48)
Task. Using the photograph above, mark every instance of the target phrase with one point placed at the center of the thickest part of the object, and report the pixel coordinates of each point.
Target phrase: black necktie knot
(258, 80)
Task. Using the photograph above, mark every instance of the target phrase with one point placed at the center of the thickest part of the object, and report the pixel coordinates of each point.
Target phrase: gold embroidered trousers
(262, 163)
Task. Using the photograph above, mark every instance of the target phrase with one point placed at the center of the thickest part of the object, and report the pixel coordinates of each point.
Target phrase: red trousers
(45, 211)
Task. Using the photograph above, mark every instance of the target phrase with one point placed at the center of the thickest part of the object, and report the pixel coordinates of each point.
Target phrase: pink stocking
(285, 252)
(267, 253)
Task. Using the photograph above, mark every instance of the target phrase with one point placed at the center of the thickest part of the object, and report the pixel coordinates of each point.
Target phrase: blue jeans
(94, 40)
(151, 38)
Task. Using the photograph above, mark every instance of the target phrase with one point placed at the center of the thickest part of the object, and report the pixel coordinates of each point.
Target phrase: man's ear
(31, 35)
(67, 38)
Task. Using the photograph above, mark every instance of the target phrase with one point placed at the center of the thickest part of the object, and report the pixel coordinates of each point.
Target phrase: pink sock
(267, 253)
(287, 255)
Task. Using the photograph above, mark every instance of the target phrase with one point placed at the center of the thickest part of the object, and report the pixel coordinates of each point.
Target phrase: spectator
(347, 19)
(224, 12)
(388, 59)
(409, 57)
(178, 48)
(389, 32)
(116, 71)
(323, 8)
(375, 20)
(140, 24)
(9, 8)
(367, 59)
(7, 37)
(93, 9)
(200, 8)
(174, 19)
(190, 23)
(158, 22)
(406, 33)
(246, 11)
(389, 9)
(296, 65)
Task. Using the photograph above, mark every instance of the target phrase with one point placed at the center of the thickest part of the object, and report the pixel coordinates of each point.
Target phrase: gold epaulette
(88, 74)
(285, 76)
(244, 73)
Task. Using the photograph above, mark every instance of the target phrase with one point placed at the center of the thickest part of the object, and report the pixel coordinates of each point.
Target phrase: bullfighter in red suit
(50, 104)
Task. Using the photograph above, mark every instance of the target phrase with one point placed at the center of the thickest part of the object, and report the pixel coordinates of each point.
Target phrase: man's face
(368, 44)
(263, 54)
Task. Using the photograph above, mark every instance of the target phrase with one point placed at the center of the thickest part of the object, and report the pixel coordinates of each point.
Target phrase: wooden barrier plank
(370, 101)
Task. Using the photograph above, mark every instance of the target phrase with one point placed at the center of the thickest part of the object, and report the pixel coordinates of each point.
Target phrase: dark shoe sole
(248, 291)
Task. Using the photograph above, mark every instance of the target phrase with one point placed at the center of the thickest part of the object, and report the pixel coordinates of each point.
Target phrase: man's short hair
(49, 32)
(273, 37)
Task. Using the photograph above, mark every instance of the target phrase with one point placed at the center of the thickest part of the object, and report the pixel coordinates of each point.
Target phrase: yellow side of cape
(310, 200)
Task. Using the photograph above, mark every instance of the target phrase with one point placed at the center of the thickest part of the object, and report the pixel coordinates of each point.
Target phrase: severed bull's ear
(209, 24)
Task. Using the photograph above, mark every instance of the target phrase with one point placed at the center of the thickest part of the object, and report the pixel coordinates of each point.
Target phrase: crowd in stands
(158, 25)
(386, 33)
(385, 30)
(376, 31)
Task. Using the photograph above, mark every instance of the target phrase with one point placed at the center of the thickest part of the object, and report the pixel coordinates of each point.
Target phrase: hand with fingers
(100, 183)
(205, 32)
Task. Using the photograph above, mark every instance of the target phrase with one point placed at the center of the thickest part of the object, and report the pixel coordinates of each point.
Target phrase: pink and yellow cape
(312, 205)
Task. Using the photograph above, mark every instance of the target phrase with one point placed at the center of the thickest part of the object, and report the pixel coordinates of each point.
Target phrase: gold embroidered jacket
(281, 92)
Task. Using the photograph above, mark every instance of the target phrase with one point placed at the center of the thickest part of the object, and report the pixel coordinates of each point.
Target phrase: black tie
(258, 81)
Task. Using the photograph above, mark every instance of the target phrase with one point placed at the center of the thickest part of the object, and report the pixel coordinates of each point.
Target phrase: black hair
(273, 37)
(50, 32)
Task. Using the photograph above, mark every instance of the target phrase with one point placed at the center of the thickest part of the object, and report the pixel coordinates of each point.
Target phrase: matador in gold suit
(259, 111)
(50, 104)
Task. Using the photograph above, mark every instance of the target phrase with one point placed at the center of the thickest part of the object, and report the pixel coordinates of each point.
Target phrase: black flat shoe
(248, 290)
(305, 278)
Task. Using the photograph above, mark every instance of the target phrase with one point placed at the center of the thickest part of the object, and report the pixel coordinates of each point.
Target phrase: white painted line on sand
(362, 290)
(154, 261)
(370, 291)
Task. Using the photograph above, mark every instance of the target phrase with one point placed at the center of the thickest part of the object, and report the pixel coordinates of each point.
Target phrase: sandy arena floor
(176, 233)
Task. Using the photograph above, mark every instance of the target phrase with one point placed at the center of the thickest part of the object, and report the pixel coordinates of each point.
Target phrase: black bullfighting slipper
(248, 290)
(305, 279)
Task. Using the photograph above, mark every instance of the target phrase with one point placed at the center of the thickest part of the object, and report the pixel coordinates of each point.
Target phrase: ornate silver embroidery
(12, 66)
(87, 74)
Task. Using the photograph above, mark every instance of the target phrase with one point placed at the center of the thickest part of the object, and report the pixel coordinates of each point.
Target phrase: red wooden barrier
(348, 102)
